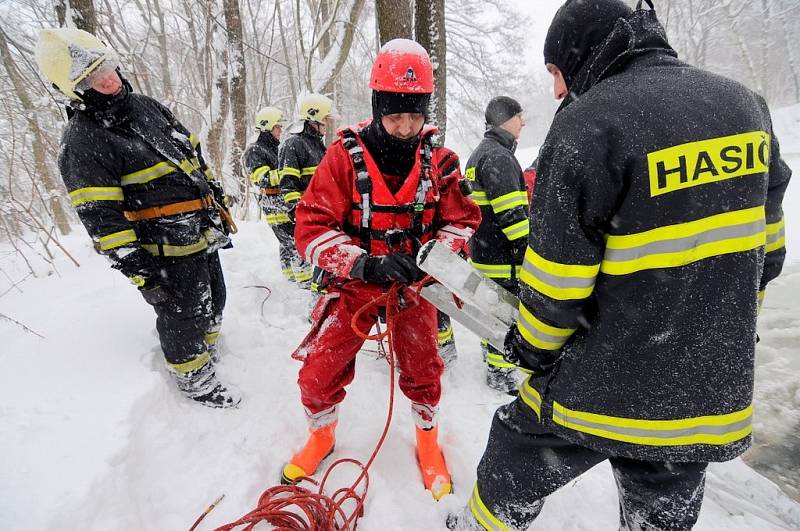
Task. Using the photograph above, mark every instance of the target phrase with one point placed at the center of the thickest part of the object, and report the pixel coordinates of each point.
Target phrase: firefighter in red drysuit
(379, 193)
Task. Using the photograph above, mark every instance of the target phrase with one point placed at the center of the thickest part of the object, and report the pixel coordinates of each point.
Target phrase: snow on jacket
(114, 161)
(260, 161)
(299, 156)
(328, 216)
(656, 219)
(498, 246)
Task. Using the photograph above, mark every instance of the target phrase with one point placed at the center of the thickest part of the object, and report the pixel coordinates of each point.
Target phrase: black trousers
(523, 464)
(285, 234)
(193, 308)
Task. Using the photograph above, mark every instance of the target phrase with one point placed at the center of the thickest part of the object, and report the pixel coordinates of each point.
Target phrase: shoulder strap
(363, 185)
(425, 184)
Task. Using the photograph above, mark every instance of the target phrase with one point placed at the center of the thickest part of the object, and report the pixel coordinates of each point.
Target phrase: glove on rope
(396, 267)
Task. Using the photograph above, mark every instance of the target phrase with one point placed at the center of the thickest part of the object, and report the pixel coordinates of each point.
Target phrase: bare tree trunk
(219, 99)
(341, 39)
(166, 79)
(431, 34)
(41, 167)
(291, 75)
(238, 90)
(81, 14)
(394, 19)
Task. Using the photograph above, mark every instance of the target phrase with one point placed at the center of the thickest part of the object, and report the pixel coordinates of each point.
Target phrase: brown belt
(170, 209)
(270, 191)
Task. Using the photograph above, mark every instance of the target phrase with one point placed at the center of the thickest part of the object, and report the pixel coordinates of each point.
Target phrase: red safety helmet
(402, 65)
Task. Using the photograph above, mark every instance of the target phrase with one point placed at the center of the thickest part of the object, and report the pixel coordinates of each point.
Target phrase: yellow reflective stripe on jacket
(258, 174)
(96, 193)
(212, 337)
(275, 219)
(274, 178)
(496, 270)
(148, 174)
(482, 514)
(557, 281)
(531, 396)
(175, 250)
(469, 173)
(188, 166)
(193, 140)
(302, 276)
(685, 243)
(288, 170)
(116, 239)
(191, 366)
(292, 196)
(479, 197)
(776, 236)
(497, 360)
(209, 175)
(517, 230)
(308, 170)
(445, 335)
(708, 429)
(540, 334)
(760, 299)
(509, 201)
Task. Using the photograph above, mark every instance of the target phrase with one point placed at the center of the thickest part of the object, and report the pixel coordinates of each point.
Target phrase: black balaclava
(394, 156)
(500, 109)
(577, 28)
(94, 101)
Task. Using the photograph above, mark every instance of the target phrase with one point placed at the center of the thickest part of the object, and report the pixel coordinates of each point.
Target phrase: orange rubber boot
(305, 462)
(431, 464)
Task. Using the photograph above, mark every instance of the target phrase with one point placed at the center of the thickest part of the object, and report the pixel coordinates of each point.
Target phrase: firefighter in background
(261, 164)
(381, 191)
(299, 157)
(140, 186)
(498, 246)
(656, 224)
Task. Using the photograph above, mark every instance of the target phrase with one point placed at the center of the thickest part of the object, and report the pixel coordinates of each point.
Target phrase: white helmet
(66, 56)
(268, 117)
(315, 107)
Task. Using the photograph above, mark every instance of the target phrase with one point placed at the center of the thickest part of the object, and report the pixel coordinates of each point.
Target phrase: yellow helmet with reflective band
(267, 118)
(67, 55)
(315, 107)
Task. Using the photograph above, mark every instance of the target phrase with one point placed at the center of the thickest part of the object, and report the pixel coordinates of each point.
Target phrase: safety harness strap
(170, 209)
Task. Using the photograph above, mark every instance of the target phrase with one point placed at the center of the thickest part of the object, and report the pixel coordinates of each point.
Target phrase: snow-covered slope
(93, 436)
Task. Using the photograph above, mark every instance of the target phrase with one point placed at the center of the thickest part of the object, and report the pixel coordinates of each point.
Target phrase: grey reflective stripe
(677, 245)
(482, 514)
(497, 205)
(143, 176)
(531, 397)
(704, 429)
(547, 338)
(557, 281)
(772, 238)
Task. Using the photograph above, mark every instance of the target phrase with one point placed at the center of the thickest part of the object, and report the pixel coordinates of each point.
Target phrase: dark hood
(638, 34)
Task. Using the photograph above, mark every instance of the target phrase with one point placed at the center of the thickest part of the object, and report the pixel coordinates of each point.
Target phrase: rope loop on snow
(294, 507)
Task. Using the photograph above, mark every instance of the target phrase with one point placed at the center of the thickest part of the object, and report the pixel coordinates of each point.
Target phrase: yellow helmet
(267, 118)
(67, 55)
(315, 107)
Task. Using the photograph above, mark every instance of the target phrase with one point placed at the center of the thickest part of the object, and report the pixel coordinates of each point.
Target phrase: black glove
(290, 211)
(133, 263)
(396, 267)
(526, 357)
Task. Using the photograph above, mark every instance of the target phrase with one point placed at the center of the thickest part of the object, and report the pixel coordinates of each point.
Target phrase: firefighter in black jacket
(299, 156)
(656, 222)
(140, 186)
(498, 246)
(261, 164)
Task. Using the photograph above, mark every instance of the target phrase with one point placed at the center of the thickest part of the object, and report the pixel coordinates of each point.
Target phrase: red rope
(293, 507)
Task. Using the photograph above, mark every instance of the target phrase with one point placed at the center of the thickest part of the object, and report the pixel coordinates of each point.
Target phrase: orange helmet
(404, 66)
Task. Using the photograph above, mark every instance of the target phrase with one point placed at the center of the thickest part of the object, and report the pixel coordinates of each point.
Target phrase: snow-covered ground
(93, 436)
